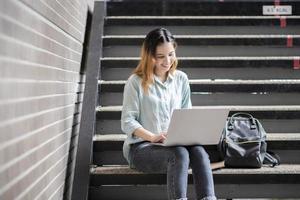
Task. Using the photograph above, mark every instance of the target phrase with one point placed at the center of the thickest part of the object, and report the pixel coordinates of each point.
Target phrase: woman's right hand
(158, 138)
(149, 136)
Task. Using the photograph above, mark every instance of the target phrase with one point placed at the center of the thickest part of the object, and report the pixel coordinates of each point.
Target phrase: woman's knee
(199, 152)
(180, 154)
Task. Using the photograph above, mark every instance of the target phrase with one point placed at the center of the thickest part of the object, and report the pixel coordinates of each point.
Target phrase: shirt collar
(171, 76)
(169, 79)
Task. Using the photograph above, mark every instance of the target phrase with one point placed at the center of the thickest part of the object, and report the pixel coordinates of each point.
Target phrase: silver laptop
(196, 126)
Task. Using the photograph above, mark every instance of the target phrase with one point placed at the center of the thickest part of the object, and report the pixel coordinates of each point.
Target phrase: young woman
(154, 90)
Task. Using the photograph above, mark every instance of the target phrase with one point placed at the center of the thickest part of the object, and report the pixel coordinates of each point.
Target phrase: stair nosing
(270, 137)
(204, 17)
(214, 58)
(218, 81)
(232, 108)
(205, 36)
(295, 169)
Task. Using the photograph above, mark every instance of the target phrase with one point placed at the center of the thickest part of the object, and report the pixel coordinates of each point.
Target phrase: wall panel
(33, 71)
(39, 23)
(42, 83)
(56, 17)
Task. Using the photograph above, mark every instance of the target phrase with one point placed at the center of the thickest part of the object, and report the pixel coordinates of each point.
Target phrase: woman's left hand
(159, 138)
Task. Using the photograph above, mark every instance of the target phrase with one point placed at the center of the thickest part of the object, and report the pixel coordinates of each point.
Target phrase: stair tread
(270, 137)
(211, 40)
(213, 86)
(232, 108)
(218, 81)
(203, 30)
(247, 20)
(203, 7)
(281, 169)
(237, 36)
(215, 58)
(202, 17)
(208, 51)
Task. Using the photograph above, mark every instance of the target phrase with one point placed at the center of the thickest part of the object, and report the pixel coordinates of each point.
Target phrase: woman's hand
(149, 136)
(158, 138)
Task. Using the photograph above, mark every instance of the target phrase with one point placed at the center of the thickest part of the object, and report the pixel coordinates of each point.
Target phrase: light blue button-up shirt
(152, 111)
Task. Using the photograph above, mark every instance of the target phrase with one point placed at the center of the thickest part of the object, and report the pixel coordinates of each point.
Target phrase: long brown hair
(145, 68)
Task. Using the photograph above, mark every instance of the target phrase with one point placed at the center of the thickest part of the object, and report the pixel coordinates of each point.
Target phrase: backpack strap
(272, 159)
(240, 114)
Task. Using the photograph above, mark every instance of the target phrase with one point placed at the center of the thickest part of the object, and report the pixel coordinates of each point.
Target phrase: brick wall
(41, 85)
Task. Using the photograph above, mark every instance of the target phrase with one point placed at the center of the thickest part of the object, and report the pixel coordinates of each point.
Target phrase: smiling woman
(151, 94)
(164, 59)
(157, 57)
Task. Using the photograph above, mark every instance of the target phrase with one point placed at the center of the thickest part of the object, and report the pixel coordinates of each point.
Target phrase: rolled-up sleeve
(130, 110)
(186, 94)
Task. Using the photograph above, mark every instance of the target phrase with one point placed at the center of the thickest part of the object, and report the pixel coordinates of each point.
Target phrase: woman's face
(164, 58)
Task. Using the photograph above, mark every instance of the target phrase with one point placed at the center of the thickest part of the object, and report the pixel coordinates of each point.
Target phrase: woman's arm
(130, 114)
(130, 109)
(186, 93)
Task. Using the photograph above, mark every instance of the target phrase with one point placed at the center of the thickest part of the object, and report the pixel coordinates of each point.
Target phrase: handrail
(84, 152)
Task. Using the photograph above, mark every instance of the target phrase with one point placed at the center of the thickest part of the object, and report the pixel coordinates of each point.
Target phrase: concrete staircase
(235, 57)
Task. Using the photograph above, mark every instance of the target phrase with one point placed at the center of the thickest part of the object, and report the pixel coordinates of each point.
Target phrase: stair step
(204, 7)
(219, 98)
(246, 40)
(208, 62)
(262, 109)
(220, 92)
(220, 85)
(108, 148)
(216, 58)
(284, 168)
(269, 67)
(271, 137)
(119, 30)
(209, 51)
(113, 142)
(281, 122)
(202, 20)
(285, 173)
(121, 182)
(260, 112)
(223, 191)
(275, 118)
(285, 176)
(213, 71)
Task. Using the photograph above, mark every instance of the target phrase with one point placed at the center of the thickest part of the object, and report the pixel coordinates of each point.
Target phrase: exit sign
(277, 10)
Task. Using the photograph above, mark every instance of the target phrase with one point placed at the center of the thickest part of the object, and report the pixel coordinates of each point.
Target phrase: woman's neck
(162, 77)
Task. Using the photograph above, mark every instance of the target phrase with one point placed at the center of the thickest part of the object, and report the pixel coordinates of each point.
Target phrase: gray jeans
(175, 162)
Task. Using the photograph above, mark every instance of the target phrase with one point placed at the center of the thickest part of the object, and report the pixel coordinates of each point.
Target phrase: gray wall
(41, 43)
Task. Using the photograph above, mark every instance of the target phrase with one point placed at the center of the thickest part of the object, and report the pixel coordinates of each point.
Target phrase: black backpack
(243, 143)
